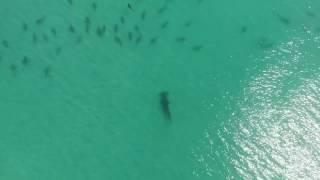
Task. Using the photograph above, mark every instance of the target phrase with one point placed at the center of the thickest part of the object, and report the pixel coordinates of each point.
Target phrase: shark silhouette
(164, 102)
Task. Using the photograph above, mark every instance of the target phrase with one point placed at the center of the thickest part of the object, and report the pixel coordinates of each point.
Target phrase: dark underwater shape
(40, 20)
(115, 28)
(58, 50)
(13, 69)
(70, 2)
(188, 23)
(138, 39)
(130, 7)
(94, 6)
(264, 43)
(143, 15)
(47, 71)
(162, 9)
(101, 30)
(34, 38)
(137, 29)
(79, 39)
(164, 102)
(130, 36)
(197, 48)
(181, 39)
(45, 37)
(284, 20)
(153, 40)
(87, 22)
(72, 29)
(311, 14)
(53, 31)
(122, 20)
(244, 29)
(164, 25)
(117, 40)
(25, 61)
(5, 43)
(25, 27)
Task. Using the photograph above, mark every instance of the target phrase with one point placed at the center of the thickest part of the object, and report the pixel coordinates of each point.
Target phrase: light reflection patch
(275, 133)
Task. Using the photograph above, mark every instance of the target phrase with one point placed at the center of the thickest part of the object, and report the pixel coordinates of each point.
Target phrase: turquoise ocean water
(80, 83)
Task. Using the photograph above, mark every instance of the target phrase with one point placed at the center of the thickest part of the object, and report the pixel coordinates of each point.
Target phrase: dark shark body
(164, 102)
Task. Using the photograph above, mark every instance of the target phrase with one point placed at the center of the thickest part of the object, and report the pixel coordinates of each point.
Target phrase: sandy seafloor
(80, 83)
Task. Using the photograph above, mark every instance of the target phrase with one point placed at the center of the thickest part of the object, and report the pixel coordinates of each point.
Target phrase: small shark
(130, 7)
(164, 102)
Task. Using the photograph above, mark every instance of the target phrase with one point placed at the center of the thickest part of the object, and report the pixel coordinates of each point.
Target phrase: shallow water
(81, 82)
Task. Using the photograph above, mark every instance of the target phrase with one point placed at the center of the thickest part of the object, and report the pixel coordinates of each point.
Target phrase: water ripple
(275, 134)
